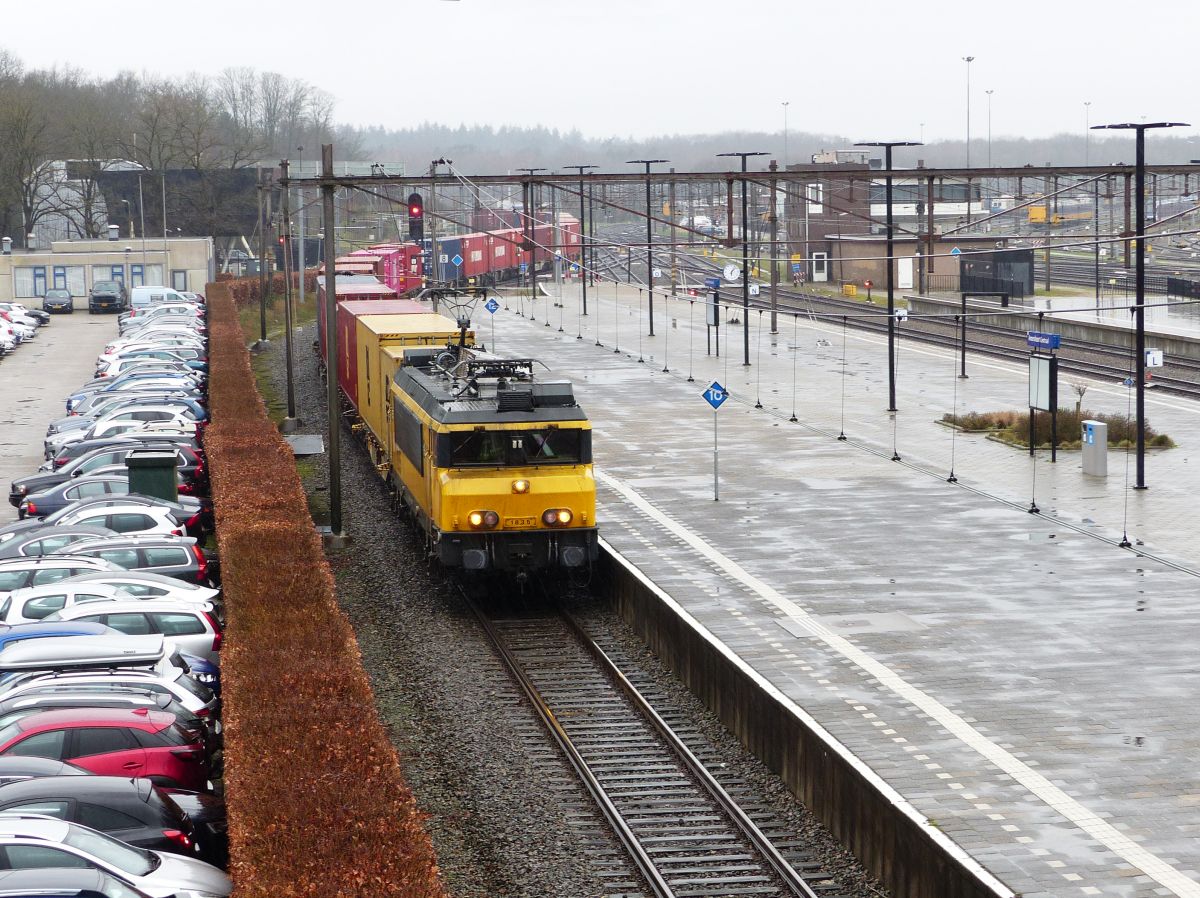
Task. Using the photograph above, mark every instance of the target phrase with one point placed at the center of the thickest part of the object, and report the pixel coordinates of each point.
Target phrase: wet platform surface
(1025, 683)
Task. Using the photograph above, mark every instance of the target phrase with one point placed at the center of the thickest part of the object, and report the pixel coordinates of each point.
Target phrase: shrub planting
(317, 802)
(1013, 427)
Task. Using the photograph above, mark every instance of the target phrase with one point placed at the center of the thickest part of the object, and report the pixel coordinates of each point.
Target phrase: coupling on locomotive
(490, 457)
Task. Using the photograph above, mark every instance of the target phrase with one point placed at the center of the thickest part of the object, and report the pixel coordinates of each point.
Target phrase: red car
(113, 742)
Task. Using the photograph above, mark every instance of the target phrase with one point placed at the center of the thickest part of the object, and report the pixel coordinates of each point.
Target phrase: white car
(119, 365)
(147, 585)
(143, 519)
(22, 332)
(35, 603)
(192, 629)
(32, 840)
(18, 573)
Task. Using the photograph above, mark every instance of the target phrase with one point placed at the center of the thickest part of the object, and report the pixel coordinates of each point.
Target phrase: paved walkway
(34, 384)
(1026, 684)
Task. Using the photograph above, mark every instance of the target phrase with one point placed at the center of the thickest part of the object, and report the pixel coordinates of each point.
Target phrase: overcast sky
(646, 67)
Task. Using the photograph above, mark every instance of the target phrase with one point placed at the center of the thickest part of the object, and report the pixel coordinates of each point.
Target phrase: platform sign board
(1043, 341)
(714, 309)
(754, 289)
(1043, 382)
(524, 267)
(492, 306)
(712, 283)
(1154, 358)
(715, 395)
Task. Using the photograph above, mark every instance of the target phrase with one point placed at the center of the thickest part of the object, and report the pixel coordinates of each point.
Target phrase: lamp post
(527, 229)
(989, 96)
(785, 135)
(968, 60)
(583, 255)
(1140, 256)
(891, 262)
(746, 261)
(649, 236)
(300, 228)
(1087, 132)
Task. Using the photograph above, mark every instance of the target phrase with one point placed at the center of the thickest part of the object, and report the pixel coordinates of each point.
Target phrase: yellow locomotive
(492, 461)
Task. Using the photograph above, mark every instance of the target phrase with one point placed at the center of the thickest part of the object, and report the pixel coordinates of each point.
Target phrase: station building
(183, 263)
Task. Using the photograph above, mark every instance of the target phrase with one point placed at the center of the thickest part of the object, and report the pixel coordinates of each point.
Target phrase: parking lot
(35, 379)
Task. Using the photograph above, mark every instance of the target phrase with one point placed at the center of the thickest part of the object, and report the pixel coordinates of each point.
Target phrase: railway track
(1181, 376)
(685, 832)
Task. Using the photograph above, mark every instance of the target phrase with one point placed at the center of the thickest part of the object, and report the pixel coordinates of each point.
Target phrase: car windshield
(134, 861)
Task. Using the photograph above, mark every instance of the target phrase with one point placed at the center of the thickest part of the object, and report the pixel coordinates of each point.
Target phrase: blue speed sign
(715, 395)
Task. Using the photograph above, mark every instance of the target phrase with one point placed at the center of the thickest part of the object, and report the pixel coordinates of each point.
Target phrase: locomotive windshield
(504, 448)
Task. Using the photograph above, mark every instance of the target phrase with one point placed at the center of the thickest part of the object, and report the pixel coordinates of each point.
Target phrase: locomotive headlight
(483, 520)
(556, 517)
(520, 487)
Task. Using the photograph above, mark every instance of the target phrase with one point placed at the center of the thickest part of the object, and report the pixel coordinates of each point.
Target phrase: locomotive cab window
(501, 448)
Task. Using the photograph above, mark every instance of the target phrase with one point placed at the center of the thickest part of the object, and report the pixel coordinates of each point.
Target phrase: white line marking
(1104, 833)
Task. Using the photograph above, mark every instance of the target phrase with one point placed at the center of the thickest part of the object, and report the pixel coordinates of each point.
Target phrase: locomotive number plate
(519, 522)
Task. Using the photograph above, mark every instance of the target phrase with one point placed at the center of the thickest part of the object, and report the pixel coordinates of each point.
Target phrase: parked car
(188, 462)
(113, 742)
(35, 603)
(132, 440)
(11, 634)
(17, 769)
(133, 810)
(196, 514)
(36, 317)
(31, 841)
(197, 698)
(49, 501)
(147, 358)
(107, 296)
(192, 628)
(131, 519)
(17, 573)
(179, 557)
(145, 297)
(49, 540)
(65, 882)
(145, 584)
(58, 300)
(113, 698)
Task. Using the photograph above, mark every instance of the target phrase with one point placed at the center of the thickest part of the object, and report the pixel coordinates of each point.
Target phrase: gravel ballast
(500, 825)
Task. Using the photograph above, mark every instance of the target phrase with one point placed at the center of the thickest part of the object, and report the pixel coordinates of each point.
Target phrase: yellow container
(381, 341)
(849, 290)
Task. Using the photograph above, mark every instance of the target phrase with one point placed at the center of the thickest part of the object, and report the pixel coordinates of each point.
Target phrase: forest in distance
(242, 117)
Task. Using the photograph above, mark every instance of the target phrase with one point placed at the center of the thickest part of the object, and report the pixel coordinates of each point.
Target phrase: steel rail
(785, 871)
(641, 858)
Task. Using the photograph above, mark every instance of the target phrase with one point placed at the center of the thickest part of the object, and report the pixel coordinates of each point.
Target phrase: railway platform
(1018, 682)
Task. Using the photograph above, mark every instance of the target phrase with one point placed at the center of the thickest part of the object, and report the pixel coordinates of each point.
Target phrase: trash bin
(1095, 448)
(154, 472)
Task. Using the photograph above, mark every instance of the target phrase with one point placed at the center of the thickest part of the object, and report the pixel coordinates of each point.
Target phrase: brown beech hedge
(317, 802)
(245, 290)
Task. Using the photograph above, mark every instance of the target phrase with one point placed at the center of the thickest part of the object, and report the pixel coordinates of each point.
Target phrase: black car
(108, 296)
(58, 300)
(132, 810)
(190, 465)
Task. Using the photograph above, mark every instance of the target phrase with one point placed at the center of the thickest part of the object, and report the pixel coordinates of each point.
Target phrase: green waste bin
(154, 472)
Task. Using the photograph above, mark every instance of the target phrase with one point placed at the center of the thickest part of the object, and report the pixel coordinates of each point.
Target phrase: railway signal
(416, 217)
